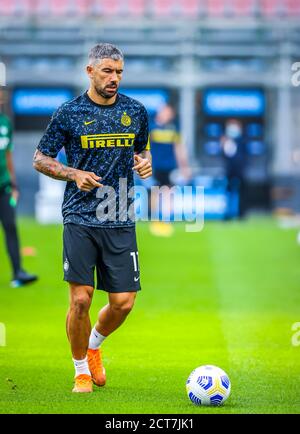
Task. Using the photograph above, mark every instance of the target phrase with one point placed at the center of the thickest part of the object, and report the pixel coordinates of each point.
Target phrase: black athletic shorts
(162, 177)
(112, 252)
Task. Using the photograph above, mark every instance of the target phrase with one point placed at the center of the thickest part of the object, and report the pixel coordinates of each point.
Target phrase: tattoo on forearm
(53, 168)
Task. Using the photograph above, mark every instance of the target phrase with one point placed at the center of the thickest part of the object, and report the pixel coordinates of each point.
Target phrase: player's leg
(8, 219)
(109, 319)
(79, 258)
(7, 216)
(78, 331)
(118, 274)
(115, 312)
(79, 325)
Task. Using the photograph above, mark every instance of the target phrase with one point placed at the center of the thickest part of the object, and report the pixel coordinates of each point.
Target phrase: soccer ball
(208, 385)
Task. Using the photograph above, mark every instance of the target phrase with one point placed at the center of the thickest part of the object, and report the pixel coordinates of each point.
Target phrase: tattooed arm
(49, 166)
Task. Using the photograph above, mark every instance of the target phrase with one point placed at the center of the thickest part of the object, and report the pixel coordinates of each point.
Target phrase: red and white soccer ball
(208, 385)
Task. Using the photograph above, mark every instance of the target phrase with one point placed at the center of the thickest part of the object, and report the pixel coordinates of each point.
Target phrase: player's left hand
(15, 194)
(142, 166)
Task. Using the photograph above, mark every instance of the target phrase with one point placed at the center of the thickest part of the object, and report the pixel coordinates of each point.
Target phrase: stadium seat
(270, 8)
(243, 7)
(53, 8)
(162, 8)
(136, 7)
(292, 8)
(216, 7)
(23, 7)
(107, 7)
(80, 7)
(15, 7)
(189, 8)
(7, 7)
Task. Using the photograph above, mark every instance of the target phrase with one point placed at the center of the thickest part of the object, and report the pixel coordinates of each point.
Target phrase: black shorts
(162, 177)
(111, 251)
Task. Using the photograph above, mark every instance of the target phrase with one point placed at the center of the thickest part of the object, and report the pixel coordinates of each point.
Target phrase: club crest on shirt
(125, 120)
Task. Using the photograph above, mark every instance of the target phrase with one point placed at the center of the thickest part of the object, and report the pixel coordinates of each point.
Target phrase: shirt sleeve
(56, 135)
(142, 141)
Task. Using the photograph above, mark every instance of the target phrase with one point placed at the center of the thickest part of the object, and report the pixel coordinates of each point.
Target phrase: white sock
(81, 367)
(96, 339)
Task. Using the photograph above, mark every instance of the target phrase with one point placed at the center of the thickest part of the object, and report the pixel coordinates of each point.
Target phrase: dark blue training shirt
(100, 139)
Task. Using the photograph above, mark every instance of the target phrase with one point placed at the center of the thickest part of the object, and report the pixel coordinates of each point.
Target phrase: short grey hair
(105, 51)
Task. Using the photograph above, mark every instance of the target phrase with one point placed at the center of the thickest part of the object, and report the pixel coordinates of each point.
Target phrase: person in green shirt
(8, 201)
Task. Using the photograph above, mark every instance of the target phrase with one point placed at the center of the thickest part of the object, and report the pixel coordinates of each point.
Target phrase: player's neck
(98, 99)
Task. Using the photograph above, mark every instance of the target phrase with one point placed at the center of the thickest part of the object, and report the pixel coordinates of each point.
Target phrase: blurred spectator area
(178, 48)
(150, 8)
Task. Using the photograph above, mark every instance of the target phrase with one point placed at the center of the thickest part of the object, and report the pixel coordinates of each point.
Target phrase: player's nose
(114, 77)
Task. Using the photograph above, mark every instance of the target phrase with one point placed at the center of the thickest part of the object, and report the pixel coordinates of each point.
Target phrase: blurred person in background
(8, 200)
(168, 153)
(234, 154)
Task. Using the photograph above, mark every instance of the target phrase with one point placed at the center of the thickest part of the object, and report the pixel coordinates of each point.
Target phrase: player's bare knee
(126, 308)
(124, 305)
(81, 298)
(81, 304)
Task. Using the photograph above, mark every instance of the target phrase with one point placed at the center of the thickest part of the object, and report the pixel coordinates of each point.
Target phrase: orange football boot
(96, 367)
(83, 384)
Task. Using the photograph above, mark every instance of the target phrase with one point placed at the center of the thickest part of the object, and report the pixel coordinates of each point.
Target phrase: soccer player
(8, 201)
(168, 153)
(105, 136)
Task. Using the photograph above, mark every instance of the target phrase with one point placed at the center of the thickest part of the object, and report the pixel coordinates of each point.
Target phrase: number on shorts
(134, 256)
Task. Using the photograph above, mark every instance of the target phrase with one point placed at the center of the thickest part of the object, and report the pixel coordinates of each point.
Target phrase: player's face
(106, 76)
(165, 115)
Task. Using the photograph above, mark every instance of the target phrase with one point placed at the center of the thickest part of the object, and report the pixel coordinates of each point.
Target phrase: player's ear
(90, 70)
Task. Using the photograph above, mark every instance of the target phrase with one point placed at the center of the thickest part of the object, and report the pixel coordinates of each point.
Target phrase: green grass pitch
(227, 296)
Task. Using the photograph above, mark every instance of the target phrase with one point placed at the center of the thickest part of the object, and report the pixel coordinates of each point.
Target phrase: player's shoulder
(71, 105)
(132, 103)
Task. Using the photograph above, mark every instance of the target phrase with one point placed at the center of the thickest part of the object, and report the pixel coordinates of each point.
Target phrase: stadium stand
(216, 8)
(190, 8)
(136, 8)
(162, 8)
(181, 47)
(243, 8)
(147, 8)
(292, 7)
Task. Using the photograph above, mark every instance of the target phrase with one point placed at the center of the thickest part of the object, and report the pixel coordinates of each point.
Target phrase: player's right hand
(86, 181)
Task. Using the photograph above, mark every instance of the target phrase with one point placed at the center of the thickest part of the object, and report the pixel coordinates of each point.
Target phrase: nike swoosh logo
(136, 278)
(89, 122)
